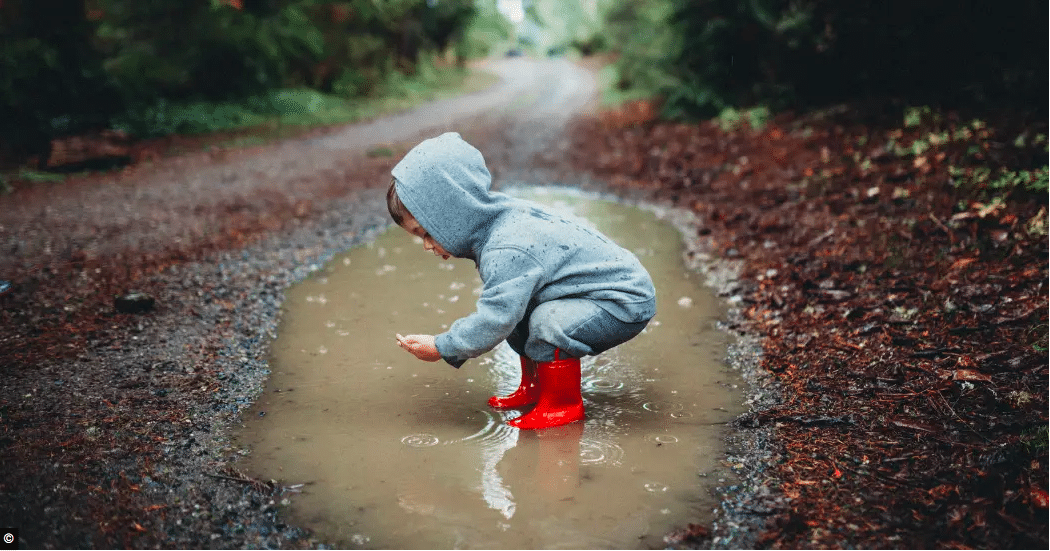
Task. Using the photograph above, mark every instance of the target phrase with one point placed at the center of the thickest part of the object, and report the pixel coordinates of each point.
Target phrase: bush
(157, 66)
(706, 55)
(51, 80)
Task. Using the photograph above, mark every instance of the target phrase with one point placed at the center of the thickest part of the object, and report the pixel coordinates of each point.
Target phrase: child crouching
(554, 289)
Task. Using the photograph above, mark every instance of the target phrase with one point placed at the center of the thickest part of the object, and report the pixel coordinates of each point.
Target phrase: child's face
(413, 227)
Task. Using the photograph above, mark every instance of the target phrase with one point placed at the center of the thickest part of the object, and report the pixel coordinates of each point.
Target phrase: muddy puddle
(399, 453)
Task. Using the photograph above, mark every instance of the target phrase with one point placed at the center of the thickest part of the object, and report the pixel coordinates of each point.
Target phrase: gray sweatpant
(579, 327)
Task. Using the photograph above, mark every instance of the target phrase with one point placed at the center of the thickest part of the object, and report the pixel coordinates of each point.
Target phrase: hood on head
(444, 183)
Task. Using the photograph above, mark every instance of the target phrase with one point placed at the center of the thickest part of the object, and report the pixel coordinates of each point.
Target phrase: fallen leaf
(692, 533)
(942, 491)
(1039, 498)
(970, 375)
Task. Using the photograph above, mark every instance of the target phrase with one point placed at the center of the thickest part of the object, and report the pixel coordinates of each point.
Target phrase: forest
(157, 67)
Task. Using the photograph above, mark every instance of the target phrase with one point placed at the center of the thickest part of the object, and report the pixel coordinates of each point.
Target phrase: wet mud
(398, 453)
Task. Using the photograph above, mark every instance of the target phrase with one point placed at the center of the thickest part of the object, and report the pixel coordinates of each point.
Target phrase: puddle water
(399, 453)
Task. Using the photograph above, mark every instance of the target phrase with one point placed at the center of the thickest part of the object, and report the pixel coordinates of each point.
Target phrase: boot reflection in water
(553, 286)
(558, 468)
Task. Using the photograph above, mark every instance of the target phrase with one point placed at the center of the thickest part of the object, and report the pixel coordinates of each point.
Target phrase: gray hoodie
(526, 255)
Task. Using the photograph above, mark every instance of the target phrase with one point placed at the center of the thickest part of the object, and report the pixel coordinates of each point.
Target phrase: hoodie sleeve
(511, 277)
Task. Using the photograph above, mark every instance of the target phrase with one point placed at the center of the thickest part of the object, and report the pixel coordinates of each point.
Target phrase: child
(554, 289)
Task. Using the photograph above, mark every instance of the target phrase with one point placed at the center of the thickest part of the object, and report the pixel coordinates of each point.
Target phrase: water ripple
(421, 440)
(662, 439)
(655, 487)
(597, 452)
(602, 386)
(663, 407)
(493, 435)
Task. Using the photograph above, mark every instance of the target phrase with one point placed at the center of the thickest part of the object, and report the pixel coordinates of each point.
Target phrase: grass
(282, 113)
(612, 95)
(278, 114)
(28, 175)
(730, 119)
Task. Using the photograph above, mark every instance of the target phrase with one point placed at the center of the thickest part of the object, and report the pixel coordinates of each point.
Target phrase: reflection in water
(495, 493)
(404, 453)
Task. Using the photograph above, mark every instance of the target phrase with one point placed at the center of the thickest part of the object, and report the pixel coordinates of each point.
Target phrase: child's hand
(420, 346)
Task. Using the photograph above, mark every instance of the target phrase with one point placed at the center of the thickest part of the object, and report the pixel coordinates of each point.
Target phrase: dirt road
(115, 427)
(190, 198)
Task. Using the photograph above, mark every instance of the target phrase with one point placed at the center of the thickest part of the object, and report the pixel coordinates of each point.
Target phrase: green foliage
(612, 93)
(47, 65)
(230, 53)
(711, 54)
(644, 38)
(165, 118)
(1000, 180)
(555, 26)
(731, 119)
(157, 66)
(1035, 440)
(913, 115)
(984, 172)
(28, 175)
(286, 106)
(488, 31)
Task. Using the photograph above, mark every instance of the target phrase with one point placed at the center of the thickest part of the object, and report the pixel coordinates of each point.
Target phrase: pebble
(134, 303)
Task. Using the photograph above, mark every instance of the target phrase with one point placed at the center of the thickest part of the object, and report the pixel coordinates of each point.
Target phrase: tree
(47, 64)
(811, 52)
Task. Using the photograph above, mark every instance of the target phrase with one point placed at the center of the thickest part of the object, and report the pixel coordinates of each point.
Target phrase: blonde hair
(397, 209)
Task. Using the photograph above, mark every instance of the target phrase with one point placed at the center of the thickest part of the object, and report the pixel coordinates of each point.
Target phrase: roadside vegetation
(900, 291)
(881, 175)
(115, 71)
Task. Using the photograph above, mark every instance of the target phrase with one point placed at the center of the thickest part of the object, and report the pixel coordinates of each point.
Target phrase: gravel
(201, 349)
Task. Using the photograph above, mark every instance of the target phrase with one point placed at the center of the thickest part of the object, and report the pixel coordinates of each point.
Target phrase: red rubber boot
(560, 401)
(528, 391)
